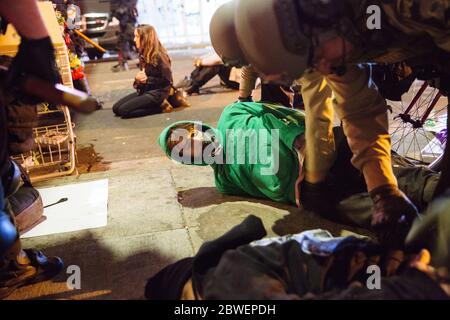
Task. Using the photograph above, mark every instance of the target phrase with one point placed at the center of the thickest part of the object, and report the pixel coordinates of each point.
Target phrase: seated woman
(153, 83)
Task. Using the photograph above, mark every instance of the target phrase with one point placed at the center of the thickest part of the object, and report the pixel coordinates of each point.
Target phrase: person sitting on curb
(257, 147)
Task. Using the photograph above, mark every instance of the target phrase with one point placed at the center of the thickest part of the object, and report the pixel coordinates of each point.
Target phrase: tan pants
(363, 113)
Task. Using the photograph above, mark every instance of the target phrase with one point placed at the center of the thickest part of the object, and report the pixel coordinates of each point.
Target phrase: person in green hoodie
(258, 150)
(254, 150)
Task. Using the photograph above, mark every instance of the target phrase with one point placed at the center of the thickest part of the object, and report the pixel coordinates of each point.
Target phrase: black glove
(318, 197)
(35, 58)
(393, 216)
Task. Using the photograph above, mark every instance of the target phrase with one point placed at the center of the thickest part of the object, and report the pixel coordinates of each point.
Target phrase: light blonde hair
(151, 48)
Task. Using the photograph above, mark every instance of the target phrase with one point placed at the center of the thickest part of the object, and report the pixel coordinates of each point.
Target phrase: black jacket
(159, 80)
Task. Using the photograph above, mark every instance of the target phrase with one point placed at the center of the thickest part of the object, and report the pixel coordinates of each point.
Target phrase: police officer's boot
(318, 198)
(193, 89)
(27, 267)
(19, 267)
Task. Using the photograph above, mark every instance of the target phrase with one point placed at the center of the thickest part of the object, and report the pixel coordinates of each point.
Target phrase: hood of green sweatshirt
(162, 139)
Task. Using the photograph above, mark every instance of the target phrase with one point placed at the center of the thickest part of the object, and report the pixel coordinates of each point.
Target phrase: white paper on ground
(86, 208)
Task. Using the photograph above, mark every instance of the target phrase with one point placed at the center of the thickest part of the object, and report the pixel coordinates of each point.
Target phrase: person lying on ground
(311, 265)
(206, 68)
(258, 150)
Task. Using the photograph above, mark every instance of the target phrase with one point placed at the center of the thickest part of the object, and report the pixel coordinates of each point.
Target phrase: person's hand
(197, 62)
(393, 216)
(141, 77)
(422, 261)
(34, 58)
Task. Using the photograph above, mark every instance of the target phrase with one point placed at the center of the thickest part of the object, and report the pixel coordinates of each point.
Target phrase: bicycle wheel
(418, 124)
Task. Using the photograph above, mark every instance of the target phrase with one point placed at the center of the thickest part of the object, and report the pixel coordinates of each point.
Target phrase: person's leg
(202, 76)
(344, 178)
(224, 75)
(7, 223)
(316, 194)
(418, 183)
(123, 47)
(273, 93)
(129, 35)
(140, 106)
(320, 146)
(118, 105)
(17, 267)
(365, 121)
(4, 156)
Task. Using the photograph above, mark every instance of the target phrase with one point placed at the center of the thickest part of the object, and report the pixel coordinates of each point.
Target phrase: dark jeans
(123, 45)
(273, 93)
(201, 75)
(355, 206)
(134, 105)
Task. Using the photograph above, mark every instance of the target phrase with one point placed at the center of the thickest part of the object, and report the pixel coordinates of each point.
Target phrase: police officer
(35, 57)
(322, 41)
(125, 11)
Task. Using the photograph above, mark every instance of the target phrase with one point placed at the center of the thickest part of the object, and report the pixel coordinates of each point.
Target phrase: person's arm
(166, 70)
(25, 17)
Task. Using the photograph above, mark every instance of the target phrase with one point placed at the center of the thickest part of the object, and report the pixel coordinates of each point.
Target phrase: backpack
(27, 206)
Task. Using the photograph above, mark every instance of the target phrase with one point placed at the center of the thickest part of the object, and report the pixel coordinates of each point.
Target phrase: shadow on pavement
(104, 275)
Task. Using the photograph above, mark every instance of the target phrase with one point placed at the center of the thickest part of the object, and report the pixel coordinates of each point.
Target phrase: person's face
(329, 56)
(137, 39)
(191, 144)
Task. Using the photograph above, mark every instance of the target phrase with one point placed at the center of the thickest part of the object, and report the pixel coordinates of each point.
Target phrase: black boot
(29, 267)
(193, 89)
(318, 198)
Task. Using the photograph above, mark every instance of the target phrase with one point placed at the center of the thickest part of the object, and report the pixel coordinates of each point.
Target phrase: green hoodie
(274, 175)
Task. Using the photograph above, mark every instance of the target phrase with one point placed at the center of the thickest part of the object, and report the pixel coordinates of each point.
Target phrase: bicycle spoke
(410, 137)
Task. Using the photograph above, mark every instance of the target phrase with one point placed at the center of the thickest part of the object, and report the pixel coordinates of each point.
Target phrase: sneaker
(120, 67)
(192, 90)
(31, 266)
(186, 82)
